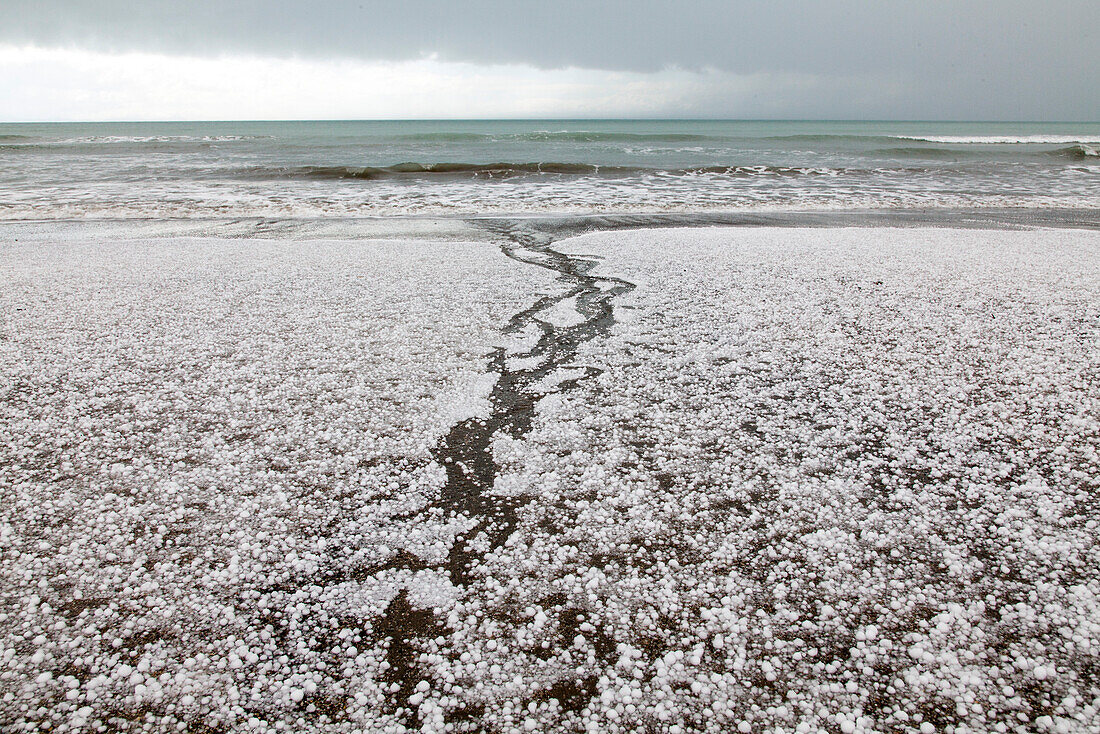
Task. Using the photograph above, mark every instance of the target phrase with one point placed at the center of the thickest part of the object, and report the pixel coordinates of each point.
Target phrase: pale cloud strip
(41, 83)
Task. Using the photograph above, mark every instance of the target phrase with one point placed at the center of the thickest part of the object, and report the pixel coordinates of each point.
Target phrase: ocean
(320, 169)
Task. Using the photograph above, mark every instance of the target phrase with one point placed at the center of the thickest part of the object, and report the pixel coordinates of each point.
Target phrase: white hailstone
(879, 384)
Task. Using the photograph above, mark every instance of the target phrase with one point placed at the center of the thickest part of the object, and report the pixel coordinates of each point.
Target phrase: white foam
(116, 139)
(1004, 139)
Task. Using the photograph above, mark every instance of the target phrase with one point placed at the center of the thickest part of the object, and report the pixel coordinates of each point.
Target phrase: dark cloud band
(1035, 56)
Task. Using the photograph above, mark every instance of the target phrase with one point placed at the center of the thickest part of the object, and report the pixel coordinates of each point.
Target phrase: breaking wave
(1073, 152)
(945, 139)
(1076, 152)
(17, 141)
(1003, 139)
(430, 170)
(512, 170)
(566, 136)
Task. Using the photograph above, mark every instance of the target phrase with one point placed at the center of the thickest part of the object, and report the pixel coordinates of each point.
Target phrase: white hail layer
(830, 479)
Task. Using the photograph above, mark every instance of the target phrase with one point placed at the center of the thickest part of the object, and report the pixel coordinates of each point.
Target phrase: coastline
(551, 227)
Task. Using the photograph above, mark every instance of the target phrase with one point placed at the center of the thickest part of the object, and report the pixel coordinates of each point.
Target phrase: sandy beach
(727, 479)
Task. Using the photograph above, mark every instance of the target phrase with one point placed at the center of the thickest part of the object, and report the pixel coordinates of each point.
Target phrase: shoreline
(553, 227)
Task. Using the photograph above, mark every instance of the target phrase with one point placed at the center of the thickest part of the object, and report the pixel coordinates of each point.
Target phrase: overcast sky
(215, 59)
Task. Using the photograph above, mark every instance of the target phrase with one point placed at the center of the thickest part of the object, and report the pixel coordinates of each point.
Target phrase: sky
(328, 59)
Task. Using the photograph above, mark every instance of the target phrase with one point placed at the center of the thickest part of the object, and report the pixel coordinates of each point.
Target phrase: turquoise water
(441, 168)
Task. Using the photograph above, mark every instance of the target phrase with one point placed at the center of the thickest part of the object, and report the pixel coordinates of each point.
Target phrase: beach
(497, 477)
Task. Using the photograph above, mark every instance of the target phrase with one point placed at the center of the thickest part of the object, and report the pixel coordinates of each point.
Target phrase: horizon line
(553, 119)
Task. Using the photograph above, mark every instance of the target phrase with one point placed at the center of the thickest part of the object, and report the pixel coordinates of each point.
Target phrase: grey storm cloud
(1037, 58)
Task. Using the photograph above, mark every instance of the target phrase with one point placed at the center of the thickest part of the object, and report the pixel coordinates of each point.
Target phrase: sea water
(463, 168)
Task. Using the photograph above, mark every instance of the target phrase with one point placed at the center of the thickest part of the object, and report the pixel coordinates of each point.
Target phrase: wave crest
(565, 136)
(426, 170)
(1004, 139)
(503, 170)
(1076, 152)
